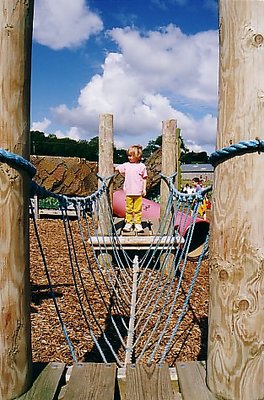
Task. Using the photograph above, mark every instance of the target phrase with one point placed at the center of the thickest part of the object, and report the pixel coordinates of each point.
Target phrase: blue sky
(144, 61)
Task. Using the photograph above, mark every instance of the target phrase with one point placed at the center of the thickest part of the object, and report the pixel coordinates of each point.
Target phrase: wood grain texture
(148, 382)
(192, 383)
(91, 382)
(169, 158)
(236, 311)
(47, 383)
(105, 165)
(15, 49)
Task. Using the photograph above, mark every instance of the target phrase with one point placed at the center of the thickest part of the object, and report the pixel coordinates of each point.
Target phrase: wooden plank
(148, 382)
(175, 383)
(119, 223)
(132, 242)
(91, 381)
(192, 383)
(46, 384)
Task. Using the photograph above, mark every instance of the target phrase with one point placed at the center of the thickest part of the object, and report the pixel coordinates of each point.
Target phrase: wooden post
(106, 167)
(15, 346)
(36, 207)
(178, 163)
(236, 308)
(169, 158)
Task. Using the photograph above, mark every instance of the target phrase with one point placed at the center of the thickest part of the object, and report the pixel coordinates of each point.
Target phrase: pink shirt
(135, 173)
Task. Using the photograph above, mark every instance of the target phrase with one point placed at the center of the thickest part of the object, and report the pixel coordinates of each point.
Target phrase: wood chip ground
(48, 341)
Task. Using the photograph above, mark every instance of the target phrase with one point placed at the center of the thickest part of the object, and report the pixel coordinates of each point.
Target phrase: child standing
(135, 173)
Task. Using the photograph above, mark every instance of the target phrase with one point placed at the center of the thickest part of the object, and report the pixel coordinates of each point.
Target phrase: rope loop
(17, 162)
(185, 197)
(237, 149)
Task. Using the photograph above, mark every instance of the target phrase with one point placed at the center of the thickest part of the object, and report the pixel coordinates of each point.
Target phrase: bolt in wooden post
(236, 307)
(15, 345)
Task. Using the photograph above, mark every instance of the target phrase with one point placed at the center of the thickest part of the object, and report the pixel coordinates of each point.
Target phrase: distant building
(203, 171)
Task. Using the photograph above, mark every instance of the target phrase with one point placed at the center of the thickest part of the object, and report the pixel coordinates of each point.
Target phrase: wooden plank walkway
(91, 381)
(135, 241)
(191, 377)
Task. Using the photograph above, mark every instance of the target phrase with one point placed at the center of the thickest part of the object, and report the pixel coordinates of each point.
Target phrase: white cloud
(64, 23)
(147, 82)
(73, 133)
(172, 61)
(40, 126)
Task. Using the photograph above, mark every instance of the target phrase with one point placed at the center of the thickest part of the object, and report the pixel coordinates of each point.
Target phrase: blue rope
(237, 149)
(184, 197)
(240, 148)
(17, 162)
(50, 284)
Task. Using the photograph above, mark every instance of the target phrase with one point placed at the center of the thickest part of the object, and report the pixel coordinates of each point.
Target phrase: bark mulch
(48, 340)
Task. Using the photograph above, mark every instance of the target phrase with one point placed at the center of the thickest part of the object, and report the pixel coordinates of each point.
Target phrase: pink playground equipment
(151, 211)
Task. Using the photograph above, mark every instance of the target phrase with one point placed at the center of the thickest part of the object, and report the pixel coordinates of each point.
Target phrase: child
(197, 184)
(135, 173)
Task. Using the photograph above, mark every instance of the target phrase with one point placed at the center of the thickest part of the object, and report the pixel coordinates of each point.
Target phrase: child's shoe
(138, 228)
(127, 227)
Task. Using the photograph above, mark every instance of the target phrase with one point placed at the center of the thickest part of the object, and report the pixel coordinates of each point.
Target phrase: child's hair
(135, 151)
(196, 180)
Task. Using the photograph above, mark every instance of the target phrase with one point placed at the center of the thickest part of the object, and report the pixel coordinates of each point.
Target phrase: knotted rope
(237, 149)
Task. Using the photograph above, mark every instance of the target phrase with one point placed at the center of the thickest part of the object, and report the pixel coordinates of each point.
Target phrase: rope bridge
(138, 288)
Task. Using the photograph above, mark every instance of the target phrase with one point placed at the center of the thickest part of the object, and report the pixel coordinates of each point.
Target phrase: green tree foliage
(152, 146)
(120, 156)
(50, 145)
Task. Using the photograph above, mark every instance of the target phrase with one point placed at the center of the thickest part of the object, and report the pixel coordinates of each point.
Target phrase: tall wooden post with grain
(236, 309)
(168, 158)
(105, 165)
(15, 344)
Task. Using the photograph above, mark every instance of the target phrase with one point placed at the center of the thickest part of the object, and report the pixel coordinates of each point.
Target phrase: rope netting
(129, 297)
(132, 292)
(138, 290)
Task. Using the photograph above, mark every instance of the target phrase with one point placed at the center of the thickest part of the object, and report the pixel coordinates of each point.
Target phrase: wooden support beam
(105, 165)
(236, 305)
(169, 158)
(15, 345)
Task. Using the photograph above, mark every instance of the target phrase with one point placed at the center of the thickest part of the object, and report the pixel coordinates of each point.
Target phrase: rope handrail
(185, 197)
(17, 162)
(65, 200)
(237, 149)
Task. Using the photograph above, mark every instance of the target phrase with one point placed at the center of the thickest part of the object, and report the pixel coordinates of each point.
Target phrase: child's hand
(144, 193)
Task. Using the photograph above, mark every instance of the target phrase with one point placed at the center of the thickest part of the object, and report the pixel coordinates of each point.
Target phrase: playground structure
(235, 352)
(141, 294)
(167, 245)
